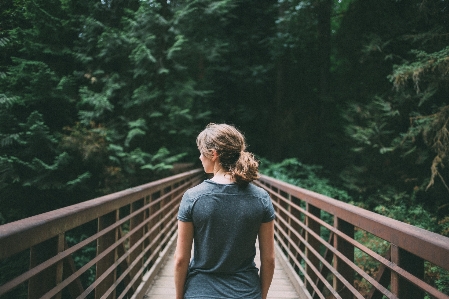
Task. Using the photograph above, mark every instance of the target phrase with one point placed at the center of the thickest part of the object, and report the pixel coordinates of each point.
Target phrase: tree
(36, 103)
(399, 133)
(142, 85)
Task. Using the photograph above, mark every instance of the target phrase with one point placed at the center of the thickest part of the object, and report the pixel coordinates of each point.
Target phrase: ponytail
(246, 169)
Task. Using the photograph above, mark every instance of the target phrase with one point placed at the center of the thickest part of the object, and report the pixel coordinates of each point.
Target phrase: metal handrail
(130, 230)
(327, 266)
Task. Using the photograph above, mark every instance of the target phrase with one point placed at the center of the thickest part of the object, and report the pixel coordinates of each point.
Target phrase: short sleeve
(269, 213)
(185, 209)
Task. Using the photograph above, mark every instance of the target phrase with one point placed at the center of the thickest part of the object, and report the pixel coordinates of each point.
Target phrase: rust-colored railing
(109, 247)
(113, 246)
(342, 251)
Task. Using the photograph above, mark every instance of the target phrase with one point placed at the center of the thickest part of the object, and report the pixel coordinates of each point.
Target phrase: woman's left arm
(182, 256)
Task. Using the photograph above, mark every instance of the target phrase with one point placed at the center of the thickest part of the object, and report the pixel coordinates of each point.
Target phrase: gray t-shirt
(226, 221)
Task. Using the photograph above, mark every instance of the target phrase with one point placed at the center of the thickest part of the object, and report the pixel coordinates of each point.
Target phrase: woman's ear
(214, 155)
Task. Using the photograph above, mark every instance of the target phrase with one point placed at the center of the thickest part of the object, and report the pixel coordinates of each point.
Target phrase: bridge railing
(112, 246)
(339, 250)
(109, 247)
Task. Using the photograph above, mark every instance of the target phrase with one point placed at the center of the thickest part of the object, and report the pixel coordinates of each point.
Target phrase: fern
(7, 102)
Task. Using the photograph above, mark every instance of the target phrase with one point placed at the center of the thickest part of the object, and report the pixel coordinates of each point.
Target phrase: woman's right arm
(267, 256)
(182, 256)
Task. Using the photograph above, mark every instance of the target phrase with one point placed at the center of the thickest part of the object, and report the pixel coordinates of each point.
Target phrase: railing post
(134, 238)
(75, 288)
(153, 223)
(314, 243)
(383, 276)
(103, 243)
(60, 264)
(296, 227)
(146, 227)
(41, 283)
(347, 249)
(164, 207)
(286, 206)
(410, 263)
(278, 211)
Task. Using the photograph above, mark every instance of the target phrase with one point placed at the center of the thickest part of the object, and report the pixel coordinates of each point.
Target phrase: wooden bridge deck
(282, 286)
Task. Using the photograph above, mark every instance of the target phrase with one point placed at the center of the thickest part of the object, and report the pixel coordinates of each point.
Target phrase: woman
(224, 216)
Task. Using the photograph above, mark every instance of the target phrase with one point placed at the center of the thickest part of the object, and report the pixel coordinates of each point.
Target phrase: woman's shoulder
(200, 189)
(257, 191)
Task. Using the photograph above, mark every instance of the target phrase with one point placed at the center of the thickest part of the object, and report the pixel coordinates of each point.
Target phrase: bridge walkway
(281, 288)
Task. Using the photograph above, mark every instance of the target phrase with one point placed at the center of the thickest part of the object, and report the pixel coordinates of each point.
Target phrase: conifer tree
(36, 103)
(397, 113)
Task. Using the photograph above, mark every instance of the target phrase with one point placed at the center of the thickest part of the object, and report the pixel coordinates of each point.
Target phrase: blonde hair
(231, 149)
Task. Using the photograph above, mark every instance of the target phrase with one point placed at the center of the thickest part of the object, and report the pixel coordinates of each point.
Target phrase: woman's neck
(222, 177)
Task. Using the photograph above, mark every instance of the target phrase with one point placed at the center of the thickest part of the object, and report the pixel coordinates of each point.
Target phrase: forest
(348, 98)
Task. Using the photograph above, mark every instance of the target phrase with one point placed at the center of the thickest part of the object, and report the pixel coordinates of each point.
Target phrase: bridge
(121, 246)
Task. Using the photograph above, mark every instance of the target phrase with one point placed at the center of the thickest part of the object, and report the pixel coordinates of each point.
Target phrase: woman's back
(223, 217)
(226, 220)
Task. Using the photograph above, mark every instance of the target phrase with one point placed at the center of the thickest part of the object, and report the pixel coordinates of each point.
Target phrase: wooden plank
(163, 284)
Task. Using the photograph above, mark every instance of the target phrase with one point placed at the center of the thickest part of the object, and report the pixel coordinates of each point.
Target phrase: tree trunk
(324, 11)
(278, 127)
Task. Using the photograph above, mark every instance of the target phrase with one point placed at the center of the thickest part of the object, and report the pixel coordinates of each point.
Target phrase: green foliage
(13, 267)
(415, 215)
(139, 89)
(398, 132)
(428, 69)
(368, 264)
(98, 96)
(83, 256)
(429, 73)
(311, 177)
(35, 103)
(437, 277)
(25, 167)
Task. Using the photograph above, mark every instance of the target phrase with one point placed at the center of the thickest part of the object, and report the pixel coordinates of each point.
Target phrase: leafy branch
(426, 63)
(440, 144)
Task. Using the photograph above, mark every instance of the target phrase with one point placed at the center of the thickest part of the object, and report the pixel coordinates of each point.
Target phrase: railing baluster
(323, 269)
(75, 288)
(154, 222)
(60, 264)
(314, 243)
(296, 227)
(134, 238)
(383, 276)
(347, 249)
(162, 206)
(410, 263)
(41, 283)
(165, 206)
(289, 222)
(146, 227)
(394, 276)
(102, 244)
